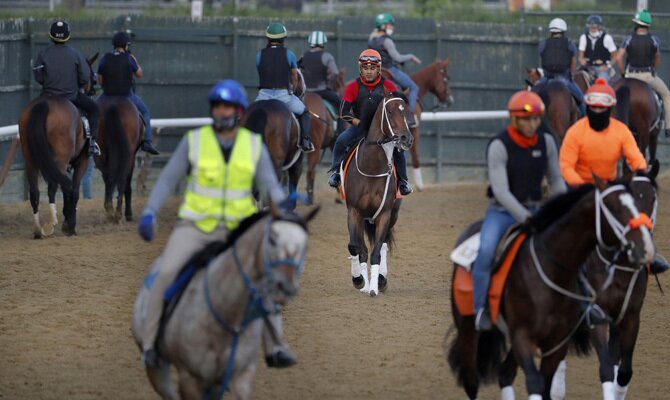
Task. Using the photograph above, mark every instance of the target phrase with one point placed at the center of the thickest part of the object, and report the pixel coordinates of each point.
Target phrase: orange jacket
(585, 151)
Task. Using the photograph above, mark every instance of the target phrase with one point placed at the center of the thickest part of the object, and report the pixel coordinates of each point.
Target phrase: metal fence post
(235, 44)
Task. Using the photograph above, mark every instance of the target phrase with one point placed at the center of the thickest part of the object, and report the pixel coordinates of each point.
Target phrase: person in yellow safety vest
(222, 163)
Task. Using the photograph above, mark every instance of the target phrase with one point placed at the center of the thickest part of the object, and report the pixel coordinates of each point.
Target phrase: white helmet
(317, 38)
(558, 25)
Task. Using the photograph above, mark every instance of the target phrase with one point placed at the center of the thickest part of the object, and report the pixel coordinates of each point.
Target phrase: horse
(53, 143)
(637, 107)
(621, 291)
(121, 130)
(541, 299)
(370, 191)
(433, 78)
(561, 107)
(213, 333)
(280, 131)
(322, 134)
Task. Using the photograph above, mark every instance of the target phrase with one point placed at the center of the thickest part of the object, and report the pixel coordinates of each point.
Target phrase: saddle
(344, 167)
(462, 286)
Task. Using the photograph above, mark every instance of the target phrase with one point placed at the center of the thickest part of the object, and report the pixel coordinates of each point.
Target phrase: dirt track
(67, 302)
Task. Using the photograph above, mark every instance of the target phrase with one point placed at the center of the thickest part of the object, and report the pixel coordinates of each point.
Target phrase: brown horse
(637, 107)
(541, 298)
(370, 189)
(561, 107)
(53, 141)
(121, 130)
(434, 79)
(322, 134)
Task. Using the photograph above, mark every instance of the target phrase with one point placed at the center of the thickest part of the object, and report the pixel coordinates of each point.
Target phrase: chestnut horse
(561, 107)
(121, 130)
(434, 79)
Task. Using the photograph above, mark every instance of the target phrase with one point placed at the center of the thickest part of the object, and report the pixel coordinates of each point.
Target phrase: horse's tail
(40, 149)
(581, 340)
(622, 104)
(491, 349)
(117, 149)
(370, 230)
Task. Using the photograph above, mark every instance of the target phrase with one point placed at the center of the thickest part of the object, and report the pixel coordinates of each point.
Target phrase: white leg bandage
(418, 178)
(620, 392)
(557, 391)
(608, 390)
(374, 280)
(364, 272)
(507, 393)
(383, 268)
(355, 266)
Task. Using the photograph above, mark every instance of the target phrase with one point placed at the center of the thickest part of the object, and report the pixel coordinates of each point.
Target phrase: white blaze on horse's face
(628, 202)
(286, 250)
(404, 137)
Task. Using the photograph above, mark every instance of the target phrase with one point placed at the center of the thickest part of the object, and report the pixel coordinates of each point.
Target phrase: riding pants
(92, 111)
(406, 82)
(293, 103)
(344, 140)
(574, 90)
(496, 222)
(144, 111)
(659, 86)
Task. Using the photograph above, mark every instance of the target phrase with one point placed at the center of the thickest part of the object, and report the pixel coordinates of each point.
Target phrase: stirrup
(306, 146)
(93, 148)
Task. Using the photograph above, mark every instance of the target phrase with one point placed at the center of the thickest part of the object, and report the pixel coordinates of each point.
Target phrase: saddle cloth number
(466, 253)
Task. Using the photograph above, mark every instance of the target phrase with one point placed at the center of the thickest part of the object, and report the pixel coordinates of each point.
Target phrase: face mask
(389, 31)
(595, 35)
(598, 121)
(225, 124)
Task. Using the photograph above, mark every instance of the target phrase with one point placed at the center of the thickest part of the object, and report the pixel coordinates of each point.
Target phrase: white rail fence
(11, 132)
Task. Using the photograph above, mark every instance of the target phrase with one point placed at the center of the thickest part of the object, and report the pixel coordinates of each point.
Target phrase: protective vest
(274, 70)
(640, 51)
(117, 75)
(556, 56)
(598, 51)
(367, 96)
(314, 72)
(525, 168)
(220, 191)
(377, 43)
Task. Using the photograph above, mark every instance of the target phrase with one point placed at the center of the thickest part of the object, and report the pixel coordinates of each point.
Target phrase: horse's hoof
(358, 281)
(129, 218)
(37, 235)
(373, 293)
(47, 230)
(383, 283)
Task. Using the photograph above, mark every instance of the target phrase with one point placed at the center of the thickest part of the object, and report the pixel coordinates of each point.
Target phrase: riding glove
(146, 227)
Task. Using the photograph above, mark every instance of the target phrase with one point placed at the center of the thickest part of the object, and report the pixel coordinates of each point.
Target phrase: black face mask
(598, 121)
(225, 124)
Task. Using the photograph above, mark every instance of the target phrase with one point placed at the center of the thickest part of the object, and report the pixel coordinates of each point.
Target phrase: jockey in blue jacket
(278, 76)
(115, 75)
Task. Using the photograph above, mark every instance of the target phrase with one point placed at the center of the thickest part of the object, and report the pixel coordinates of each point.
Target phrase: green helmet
(275, 30)
(643, 18)
(384, 18)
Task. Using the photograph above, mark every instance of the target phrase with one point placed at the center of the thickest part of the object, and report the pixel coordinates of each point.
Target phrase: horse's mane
(558, 206)
(370, 108)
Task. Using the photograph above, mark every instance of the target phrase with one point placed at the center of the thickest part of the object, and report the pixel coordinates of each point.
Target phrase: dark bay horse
(370, 189)
(636, 107)
(121, 130)
(54, 144)
(541, 299)
(280, 131)
(213, 334)
(434, 78)
(561, 107)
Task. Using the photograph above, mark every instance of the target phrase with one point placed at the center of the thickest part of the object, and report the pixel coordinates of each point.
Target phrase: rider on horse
(380, 40)
(518, 158)
(641, 51)
(596, 48)
(221, 163)
(115, 75)
(594, 145)
(558, 59)
(63, 71)
(319, 68)
(278, 74)
(366, 91)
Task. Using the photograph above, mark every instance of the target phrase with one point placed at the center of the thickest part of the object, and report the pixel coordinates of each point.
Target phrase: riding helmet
(384, 18)
(600, 94)
(276, 30)
(229, 91)
(525, 103)
(370, 56)
(643, 18)
(121, 39)
(558, 25)
(594, 19)
(60, 31)
(317, 38)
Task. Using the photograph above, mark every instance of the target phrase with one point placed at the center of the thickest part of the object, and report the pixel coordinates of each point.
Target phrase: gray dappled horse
(213, 335)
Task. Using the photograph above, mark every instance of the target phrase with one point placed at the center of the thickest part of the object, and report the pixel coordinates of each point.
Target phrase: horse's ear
(653, 169)
(600, 184)
(529, 84)
(528, 70)
(627, 177)
(310, 214)
(446, 62)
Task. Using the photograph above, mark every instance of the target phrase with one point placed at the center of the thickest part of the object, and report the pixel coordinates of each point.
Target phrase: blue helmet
(229, 91)
(594, 19)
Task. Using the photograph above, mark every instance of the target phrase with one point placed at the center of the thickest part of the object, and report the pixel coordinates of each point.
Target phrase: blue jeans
(345, 139)
(142, 108)
(573, 88)
(406, 82)
(496, 223)
(292, 102)
(86, 181)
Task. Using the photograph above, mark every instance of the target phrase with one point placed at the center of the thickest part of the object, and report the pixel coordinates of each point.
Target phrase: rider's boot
(338, 153)
(659, 265)
(148, 147)
(411, 120)
(305, 143)
(401, 170)
(93, 148)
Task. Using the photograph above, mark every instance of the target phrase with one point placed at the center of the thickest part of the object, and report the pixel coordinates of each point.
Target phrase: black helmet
(121, 39)
(60, 31)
